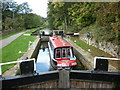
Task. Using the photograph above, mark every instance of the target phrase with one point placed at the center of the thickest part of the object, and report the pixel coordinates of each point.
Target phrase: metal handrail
(17, 62)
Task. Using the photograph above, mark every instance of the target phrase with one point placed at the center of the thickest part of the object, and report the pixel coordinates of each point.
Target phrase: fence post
(64, 79)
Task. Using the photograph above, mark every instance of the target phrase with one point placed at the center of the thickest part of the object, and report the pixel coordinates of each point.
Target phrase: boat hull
(61, 63)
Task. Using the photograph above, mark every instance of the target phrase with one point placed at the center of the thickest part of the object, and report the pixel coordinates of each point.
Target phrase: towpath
(8, 40)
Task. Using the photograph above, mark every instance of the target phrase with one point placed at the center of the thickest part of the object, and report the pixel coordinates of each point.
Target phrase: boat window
(57, 53)
(69, 52)
(64, 52)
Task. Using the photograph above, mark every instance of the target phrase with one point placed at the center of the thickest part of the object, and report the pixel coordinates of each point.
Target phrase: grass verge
(33, 30)
(29, 32)
(3, 37)
(95, 51)
(10, 52)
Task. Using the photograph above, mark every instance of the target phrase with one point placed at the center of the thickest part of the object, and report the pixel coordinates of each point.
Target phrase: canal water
(43, 60)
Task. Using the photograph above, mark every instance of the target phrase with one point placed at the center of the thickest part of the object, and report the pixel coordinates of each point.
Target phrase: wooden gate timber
(63, 79)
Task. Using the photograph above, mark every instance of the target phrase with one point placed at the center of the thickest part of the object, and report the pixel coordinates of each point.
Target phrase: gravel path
(8, 40)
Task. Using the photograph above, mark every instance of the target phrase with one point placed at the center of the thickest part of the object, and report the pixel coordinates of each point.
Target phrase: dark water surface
(43, 60)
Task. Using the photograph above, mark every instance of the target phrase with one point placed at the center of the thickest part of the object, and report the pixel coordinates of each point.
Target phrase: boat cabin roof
(58, 42)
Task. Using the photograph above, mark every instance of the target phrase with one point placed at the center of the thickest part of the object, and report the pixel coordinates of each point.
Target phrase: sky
(38, 6)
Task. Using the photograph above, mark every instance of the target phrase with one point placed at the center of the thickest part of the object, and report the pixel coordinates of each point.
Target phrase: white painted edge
(102, 58)
(27, 34)
(17, 62)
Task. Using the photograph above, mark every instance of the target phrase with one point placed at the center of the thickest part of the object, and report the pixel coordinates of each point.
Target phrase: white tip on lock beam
(102, 58)
(17, 62)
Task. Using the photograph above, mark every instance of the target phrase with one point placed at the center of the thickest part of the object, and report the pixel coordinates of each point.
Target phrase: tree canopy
(100, 18)
(18, 16)
(66, 14)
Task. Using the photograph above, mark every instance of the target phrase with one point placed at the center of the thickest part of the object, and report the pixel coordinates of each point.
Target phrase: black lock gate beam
(8, 82)
(96, 75)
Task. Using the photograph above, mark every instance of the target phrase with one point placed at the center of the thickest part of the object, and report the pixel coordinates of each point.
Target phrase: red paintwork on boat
(58, 42)
(64, 63)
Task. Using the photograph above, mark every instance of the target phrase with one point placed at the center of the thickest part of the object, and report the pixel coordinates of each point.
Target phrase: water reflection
(43, 60)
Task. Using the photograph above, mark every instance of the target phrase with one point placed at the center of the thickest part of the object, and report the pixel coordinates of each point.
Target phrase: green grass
(3, 37)
(33, 30)
(10, 52)
(93, 50)
(7, 67)
(29, 32)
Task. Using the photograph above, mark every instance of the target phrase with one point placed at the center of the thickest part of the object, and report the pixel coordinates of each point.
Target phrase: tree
(12, 15)
(23, 8)
(32, 20)
(58, 15)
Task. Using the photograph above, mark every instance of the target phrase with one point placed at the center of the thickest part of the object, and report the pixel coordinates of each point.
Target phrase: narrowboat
(61, 53)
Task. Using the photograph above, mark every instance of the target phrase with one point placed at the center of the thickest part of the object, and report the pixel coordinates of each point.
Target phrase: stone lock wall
(108, 47)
